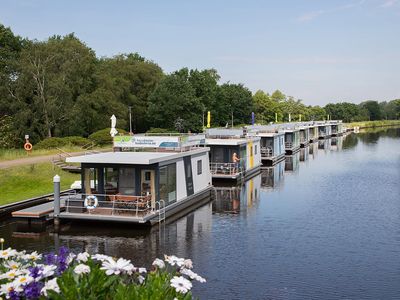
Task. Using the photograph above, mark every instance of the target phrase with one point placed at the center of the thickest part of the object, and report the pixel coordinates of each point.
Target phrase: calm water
(323, 224)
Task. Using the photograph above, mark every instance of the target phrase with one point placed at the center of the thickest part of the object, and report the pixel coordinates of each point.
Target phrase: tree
(265, 108)
(373, 108)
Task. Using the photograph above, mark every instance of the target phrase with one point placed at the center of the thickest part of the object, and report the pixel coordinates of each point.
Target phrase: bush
(67, 276)
(103, 137)
(56, 142)
(160, 130)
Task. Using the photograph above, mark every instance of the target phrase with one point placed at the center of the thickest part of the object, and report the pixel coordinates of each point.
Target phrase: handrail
(225, 168)
(266, 151)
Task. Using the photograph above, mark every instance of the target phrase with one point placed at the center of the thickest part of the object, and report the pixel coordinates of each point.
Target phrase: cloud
(314, 14)
(389, 3)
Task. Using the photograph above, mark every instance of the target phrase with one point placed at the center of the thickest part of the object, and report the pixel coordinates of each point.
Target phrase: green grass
(10, 154)
(20, 183)
(372, 124)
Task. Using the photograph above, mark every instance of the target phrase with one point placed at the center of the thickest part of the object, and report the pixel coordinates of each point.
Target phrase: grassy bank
(24, 182)
(373, 124)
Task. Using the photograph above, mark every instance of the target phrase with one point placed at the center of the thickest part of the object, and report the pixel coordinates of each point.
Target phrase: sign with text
(146, 141)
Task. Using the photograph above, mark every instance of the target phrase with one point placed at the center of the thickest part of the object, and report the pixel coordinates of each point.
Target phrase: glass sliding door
(167, 183)
(127, 181)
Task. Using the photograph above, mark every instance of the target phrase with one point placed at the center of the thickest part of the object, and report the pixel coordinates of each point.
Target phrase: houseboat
(304, 135)
(312, 133)
(144, 180)
(292, 140)
(272, 143)
(337, 128)
(233, 154)
(324, 130)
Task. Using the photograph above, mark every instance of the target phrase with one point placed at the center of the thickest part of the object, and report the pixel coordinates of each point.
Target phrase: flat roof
(270, 134)
(132, 158)
(230, 142)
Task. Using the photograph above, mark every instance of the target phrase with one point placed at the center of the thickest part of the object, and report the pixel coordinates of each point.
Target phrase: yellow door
(250, 149)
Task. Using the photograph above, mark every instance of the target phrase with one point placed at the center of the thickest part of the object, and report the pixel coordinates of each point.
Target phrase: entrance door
(189, 175)
(148, 185)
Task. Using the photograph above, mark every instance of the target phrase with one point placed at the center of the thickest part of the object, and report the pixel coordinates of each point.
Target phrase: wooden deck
(38, 211)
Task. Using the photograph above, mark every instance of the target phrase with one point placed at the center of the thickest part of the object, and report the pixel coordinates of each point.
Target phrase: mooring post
(56, 181)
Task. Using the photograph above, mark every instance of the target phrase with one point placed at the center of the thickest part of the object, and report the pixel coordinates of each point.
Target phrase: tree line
(59, 87)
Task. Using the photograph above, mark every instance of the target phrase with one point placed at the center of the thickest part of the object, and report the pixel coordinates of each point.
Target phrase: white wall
(204, 179)
(180, 180)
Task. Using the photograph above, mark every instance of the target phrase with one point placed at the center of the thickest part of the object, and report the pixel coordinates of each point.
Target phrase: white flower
(181, 284)
(142, 270)
(193, 275)
(11, 274)
(82, 269)
(159, 263)
(141, 279)
(173, 260)
(33, 256)
(47, 270)
(50, 285)
(188, 263)
(11, 264)
(6, 288)
(116, 267)
(83, 257)
(101, 257)
(70, 258)
(22, 281)
(7, 253)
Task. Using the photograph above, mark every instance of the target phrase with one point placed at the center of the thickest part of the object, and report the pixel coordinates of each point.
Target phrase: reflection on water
(292, 162)
(304, 239)
(304, 153)
(272, 177)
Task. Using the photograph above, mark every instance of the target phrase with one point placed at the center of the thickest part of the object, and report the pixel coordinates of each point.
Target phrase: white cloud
(389, 3)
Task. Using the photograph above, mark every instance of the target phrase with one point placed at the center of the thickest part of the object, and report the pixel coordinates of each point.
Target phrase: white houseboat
(145, 180)
(272, 143)
(304, 135)
(292, 140)
(337, 127)
(233, 155)
(324, 130)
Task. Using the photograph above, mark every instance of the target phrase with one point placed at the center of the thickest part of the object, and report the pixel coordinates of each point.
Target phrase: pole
(232, 119)
(130, 119)
(208, 119)
(276, 117)
(56, 181)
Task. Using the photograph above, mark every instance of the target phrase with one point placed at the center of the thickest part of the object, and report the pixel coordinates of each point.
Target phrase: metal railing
(288, 145)
(109, 204)
(225, 168)
(266, 152)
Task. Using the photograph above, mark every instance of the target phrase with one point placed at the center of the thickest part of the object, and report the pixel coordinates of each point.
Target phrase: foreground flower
(33, 290)
(47, 270)
(7, 253)
(23, 280)
(188, 264)
(50, 285)
(101, 257)
(33, 256)
(116, 267)
(82, 269)
(193, 275)
(10, 274)
(173, 260)
(11, 264)
(181, 284)
(5, 289)
(83, 257)
(159, 263)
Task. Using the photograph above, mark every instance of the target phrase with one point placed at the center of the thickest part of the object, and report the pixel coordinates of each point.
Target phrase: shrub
(160, 130)
(84, 276)
(103, 137)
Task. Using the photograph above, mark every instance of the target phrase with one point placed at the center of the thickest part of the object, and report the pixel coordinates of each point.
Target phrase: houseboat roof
(269, 134)
(132, 158)
(231, 141)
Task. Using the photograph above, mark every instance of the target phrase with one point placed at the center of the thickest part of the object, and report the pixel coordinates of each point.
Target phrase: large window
(127, 181)
(168, 183)
(199, 167)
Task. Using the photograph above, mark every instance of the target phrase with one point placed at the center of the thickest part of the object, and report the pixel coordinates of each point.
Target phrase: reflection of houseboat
(292, 162)
(292, 140)
(337, 128)
(304, 136)
(324, 130)
(313, 132)
(232, 154)
(272, 176)
(324, 144)
(313, 149)
(337, 143)
(304, 152)
(234, 199)
(153, 178)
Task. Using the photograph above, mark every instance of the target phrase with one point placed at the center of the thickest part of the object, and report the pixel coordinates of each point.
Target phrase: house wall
(180, 180)
(253, 156)
(203, 180)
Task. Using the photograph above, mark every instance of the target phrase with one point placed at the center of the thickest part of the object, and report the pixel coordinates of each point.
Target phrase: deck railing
(225, 169)
(266, 152)
(109, 204)
(288, 145)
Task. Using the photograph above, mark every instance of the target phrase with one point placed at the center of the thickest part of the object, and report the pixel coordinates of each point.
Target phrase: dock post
(56, 181)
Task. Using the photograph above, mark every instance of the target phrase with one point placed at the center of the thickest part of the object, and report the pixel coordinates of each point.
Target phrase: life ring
(28, 146)
(91, 202)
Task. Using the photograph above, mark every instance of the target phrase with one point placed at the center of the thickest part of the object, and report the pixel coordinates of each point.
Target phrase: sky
(314, 50)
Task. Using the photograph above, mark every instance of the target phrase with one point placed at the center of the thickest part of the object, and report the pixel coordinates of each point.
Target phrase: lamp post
(130, 120)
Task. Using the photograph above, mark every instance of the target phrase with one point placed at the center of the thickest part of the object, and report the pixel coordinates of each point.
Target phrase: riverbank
(32, 180)
(373, 124)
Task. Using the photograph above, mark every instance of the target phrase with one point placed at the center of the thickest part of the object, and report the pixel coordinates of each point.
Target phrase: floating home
(271, 177)
(144, 180)
(292, 140)
(272, 143)
(324, 130)
(337, 128)
(304, 136)
(312, 133)
(225, 144)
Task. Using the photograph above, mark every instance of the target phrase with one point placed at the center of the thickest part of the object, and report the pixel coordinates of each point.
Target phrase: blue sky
(318, 51)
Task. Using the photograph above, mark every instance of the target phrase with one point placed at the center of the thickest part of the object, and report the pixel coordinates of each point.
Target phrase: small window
(255, 150)
(147, 176)
(199, 167)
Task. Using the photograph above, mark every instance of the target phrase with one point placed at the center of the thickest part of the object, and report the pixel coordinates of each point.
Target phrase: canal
(322, 224)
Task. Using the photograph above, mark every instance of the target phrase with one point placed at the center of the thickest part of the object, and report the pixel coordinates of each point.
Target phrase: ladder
(161, 211)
